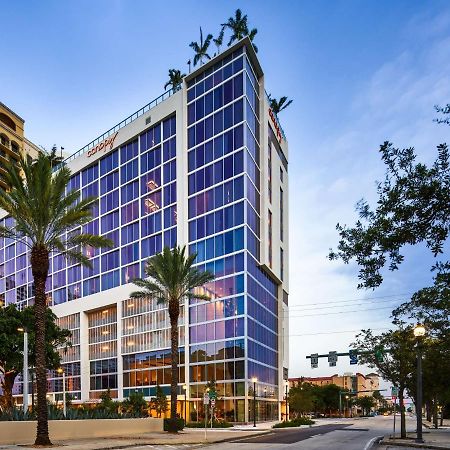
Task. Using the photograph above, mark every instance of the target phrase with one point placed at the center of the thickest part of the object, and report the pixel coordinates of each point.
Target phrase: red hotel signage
(275, 124)
(108, 142)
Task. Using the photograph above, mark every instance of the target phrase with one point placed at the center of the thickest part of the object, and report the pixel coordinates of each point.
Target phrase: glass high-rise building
(206, 167)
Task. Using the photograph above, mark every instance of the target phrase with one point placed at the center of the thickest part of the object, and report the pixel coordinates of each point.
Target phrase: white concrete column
(119, 352)
(84, 356)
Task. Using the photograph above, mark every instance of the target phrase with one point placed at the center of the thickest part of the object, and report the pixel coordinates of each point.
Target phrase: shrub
(216, 424)
(178, 424)
(294, 422)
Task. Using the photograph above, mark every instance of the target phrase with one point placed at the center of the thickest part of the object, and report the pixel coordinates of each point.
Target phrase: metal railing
(114, 129)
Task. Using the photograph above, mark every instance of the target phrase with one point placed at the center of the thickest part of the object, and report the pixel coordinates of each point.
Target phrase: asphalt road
(344, 434)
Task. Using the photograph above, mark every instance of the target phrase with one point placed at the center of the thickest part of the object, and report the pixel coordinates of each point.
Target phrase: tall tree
(201, 48)
(413, 207)
(278, 105)
(238, 25)
(392, 354)
(43, 212)
(175, 80)
(366, 403)
(172, 279)
(218, 41)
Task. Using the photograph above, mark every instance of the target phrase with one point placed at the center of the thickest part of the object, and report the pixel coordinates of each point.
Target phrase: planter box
(24, 432)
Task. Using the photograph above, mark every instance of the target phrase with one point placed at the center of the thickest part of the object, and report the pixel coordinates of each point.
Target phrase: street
(344, 434)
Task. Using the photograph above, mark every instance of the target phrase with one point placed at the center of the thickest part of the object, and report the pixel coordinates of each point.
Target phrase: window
(270, 238)
(281, 264)
(281, 214)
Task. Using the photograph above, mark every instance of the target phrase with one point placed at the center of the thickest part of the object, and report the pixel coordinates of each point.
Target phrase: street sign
(212, 394)
(213, 403)
(353, 355)
(394, 391)
(314, 361)
(332, 359)
(206, 399)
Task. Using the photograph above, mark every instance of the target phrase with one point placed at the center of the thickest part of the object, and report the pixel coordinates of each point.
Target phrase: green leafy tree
(159, 403)
(135, 404)
(366, 403)
(278, 105)
(330, 397)
(43, 212)
(11, 349)
(172, 279)
(413, 207)
(301, 399)
(201, 48)
(175, 80)
(445, 110)
(238, 25)
(395, 363)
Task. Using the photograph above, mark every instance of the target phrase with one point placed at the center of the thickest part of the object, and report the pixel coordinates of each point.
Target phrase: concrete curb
(412, 444)
(371, 444)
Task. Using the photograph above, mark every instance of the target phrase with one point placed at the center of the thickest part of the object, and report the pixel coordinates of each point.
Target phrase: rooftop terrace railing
(114, 129)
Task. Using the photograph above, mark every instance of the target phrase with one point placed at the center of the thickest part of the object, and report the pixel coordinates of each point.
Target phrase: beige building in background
(13, 142)
(363, 384)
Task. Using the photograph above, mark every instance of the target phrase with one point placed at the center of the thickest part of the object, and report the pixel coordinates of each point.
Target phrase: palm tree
(43, 212)
(239, 28)
(278, 105)
(172, 279)
(219, 40)
(201, 48)
(175, 79)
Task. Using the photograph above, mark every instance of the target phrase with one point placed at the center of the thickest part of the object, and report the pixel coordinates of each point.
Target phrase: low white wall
(24, 432)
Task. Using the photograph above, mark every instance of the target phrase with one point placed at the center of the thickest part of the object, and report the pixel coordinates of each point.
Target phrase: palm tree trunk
(39, 267)
(174, 312)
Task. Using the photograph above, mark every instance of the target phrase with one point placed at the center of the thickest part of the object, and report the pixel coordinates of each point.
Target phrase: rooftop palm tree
(175, 79)
(238, 25)
(278, 105)
(219, 40)
(43, 212)
(201, 49)
(172, 279)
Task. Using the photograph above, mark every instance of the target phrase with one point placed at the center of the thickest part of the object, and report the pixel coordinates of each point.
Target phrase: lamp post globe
(419, 333)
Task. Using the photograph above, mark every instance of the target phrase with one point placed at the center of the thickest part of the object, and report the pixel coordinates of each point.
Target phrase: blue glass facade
(224, 217)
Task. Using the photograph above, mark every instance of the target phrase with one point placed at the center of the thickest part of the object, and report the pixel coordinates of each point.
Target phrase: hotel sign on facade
(105, 145)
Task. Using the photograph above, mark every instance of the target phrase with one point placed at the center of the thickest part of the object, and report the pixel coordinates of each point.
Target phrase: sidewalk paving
(446, 424)
(433, 439)
(188, 438)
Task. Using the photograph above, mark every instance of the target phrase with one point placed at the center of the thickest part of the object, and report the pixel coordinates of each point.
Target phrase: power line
(352, 300)
(344, 306)
(334, 332)
(340, 312)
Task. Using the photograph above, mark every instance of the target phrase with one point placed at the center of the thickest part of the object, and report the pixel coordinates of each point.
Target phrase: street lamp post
(185, 403)
(346, 406)
(254, 380)
(265, 404)
(61, 371)
(25, 369)
(419, 333)
(287, 400)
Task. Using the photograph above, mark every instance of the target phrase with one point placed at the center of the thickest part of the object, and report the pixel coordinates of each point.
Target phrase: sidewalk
(435, 439)
(428, 424)
(191, 436)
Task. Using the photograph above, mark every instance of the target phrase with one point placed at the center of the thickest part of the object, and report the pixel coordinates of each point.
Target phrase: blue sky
(359, 72)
